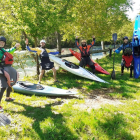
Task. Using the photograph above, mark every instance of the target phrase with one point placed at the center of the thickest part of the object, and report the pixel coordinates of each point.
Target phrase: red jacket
(85, 51)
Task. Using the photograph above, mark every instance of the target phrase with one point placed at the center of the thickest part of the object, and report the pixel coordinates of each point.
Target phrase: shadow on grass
(56, 130)
(114, 127)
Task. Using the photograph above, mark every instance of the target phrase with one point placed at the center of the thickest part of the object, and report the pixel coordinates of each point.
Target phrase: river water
(30, 67)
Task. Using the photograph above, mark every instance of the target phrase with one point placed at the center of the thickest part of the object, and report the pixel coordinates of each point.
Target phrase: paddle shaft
(114, 58)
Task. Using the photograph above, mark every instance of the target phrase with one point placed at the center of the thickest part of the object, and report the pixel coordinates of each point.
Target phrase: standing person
(85, 53)
(127, 58)
(46, 64)
(8, 75)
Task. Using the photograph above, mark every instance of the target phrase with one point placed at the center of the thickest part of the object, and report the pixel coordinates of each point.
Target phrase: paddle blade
(4, 120)
(113, 75)
(114, 36)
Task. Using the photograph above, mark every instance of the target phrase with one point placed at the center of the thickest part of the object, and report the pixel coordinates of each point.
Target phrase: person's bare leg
(41, 75)
(54, 73)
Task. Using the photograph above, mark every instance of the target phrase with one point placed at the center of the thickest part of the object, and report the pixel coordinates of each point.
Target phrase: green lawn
(47, 118)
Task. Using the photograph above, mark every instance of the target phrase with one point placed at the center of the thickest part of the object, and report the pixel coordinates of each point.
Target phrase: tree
(126, 30)
(37, 18)
(97, 17)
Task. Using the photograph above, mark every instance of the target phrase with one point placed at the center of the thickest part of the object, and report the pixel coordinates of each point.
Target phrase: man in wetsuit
(126, 47)
(85, 53)
(46, 64)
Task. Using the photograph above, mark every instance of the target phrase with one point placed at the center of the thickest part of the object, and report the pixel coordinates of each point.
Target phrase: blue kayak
(136, 49)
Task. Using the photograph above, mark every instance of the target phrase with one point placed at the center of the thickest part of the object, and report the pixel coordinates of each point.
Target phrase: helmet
(83, 41)
(125, 38)
(2, 38)
(42, 41)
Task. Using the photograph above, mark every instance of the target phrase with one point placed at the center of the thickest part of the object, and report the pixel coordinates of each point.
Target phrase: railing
(93, 51)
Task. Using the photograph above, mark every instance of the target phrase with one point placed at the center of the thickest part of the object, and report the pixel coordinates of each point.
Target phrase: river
(30, 67)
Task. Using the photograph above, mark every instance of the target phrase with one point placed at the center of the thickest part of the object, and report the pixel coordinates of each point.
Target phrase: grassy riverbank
(47, 118)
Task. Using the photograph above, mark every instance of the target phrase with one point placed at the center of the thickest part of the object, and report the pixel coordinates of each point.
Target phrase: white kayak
(36, 89)
(77, 70)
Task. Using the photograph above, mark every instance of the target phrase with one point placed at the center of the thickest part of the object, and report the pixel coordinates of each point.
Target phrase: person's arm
(35, 50)
(13, 49)
(93, 42)
(54, 53)
(77, 43)
(119, 49)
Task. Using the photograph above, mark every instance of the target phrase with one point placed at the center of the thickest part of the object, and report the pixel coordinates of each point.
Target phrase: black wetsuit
(85, 55)
(46, 64)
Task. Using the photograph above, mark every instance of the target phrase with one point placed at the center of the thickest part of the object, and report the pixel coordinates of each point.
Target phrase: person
(8, 75)
(127, 58)
(46, 64)
(85, 53)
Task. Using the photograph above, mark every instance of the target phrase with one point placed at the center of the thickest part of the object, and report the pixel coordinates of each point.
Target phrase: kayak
(77, 70)
(36, 89)
(97, 66)
(136, 49)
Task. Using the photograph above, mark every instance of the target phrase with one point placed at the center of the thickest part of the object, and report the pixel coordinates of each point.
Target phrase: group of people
(9, 76)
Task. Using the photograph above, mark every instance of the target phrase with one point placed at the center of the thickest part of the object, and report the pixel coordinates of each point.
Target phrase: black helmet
(125, 38)
(2, 38)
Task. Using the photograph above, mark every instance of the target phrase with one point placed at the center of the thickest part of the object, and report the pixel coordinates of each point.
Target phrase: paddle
(114, 39)
(4, 120)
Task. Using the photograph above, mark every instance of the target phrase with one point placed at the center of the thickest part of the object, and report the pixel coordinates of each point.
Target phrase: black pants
(87, 61)
(8, 91)
(123, 65)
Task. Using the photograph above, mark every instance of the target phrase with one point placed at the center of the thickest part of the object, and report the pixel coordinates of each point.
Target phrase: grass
(47, 118)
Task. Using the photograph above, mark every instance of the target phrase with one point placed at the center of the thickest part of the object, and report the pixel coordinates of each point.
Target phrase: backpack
(7, 58)
(127, 51)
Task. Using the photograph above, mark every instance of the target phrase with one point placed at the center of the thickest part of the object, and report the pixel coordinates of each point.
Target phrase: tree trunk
(103, 46)
(58, 39)
(25, 35)
(37, 61)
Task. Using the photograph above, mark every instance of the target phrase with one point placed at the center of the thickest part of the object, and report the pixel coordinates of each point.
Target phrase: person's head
(84, 43)
(42, 43)
(125, 39)
(2, 41)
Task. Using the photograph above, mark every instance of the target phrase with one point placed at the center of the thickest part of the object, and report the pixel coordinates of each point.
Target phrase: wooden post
(58, 39)
(103, 46)
(37, 62)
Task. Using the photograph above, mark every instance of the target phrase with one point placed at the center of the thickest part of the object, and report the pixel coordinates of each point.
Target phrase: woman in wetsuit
(8, 75)
(46, 64)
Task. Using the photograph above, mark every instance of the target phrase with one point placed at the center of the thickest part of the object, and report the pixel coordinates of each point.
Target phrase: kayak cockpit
(31, 86)
(70, 64)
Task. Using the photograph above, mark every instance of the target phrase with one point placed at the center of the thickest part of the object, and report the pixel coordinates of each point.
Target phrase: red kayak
(97, 66)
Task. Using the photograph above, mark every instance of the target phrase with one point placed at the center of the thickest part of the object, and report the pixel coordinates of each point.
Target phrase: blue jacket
(39, 50)
(129, 45)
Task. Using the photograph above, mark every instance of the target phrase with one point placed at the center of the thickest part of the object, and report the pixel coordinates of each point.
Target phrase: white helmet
(43, 41)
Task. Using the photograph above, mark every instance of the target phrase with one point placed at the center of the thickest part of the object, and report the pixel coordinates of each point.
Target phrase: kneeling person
(127, 58)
